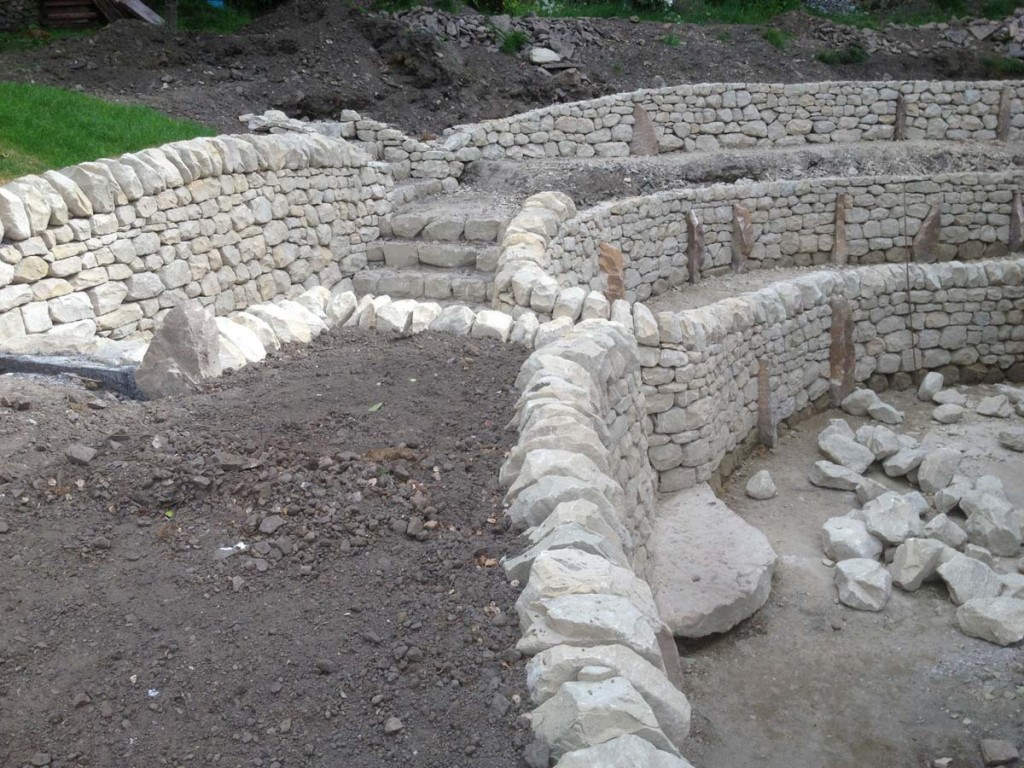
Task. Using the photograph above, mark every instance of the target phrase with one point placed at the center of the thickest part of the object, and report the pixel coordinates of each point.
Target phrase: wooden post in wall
(610, 263)
(840, 251)
(899, 132)
(1016, 224)
(696, 252)
(1004, 118)
(926, 241)
(767, 429)
(742, 237)
(842, 354)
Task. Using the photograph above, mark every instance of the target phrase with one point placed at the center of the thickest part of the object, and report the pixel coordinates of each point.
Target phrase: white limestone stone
(916, 561)
(491, 324)
(863, 584)
(930, 386)
(825, 474)
(245, 340)
(340, 307)
(184, 352)
(942, 528)
(622, 752)
(892, 518)
(846, 538)
(261, 328)
(881, 441)
(998, 620)
(992, 523)
(996, 406)
(845, 451)
(857, 402)
(708, 568)
(937, 469)
(950, 413)
(457, 320)
(967, 579)
(761, 487)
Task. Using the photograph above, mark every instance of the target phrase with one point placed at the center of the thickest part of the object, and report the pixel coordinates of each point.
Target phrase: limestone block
(588, 516)
(316, 300)
(937, 469)
(14, 218)
(847, 538)
(996, 406)
(70, 308)
(930, 386)
(825, 474)
(708, 568)
(395, 317)
(260, 327)
(584, 620)
(863, 584)
(845, 451)
(892, 518)
(245, 340)
(881, 441)
(230, 356)
(457, 320)
(288, 327)
(184, 352)
(542, 462)
(858, 402)
(998, 620)
(549, 670)
(491, 324)
(423, 314)
(340, 307)
(628, 750)
(569, 304)
(941, 528)
(552, 331)
(534, 504)
(77, 202)
(967, 579)
(916, 561)
(760, 486)
(993, 523)
(568, 536)
(582, 715)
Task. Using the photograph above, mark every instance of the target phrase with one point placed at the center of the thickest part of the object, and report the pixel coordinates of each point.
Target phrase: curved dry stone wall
(714, 116)
(108, 247)
(669, 236)
(725, 375)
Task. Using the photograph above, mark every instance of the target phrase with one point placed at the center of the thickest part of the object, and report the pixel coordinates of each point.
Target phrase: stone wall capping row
(604, 674)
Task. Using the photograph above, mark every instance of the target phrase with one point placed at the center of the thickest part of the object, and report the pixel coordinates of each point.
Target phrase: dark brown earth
(316, 57)
(370, 589)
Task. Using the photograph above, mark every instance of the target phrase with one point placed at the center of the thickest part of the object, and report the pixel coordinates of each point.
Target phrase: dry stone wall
(108, 247)
(714, 116)
(18, 14)
(793, 224)
(730, 372)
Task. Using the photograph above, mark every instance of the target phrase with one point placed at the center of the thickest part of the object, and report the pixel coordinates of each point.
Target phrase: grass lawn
(42, 128)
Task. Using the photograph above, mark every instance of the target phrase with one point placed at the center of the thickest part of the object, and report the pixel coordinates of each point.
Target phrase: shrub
(851, 54)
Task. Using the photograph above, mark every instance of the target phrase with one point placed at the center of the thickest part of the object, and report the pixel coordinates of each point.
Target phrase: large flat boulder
(709, 569)
(184, 352)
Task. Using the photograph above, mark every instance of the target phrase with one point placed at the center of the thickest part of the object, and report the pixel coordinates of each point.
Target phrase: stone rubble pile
(957, 529)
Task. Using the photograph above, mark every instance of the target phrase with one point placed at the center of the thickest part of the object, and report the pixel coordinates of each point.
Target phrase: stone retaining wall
(964, 216)
(730, 372)
(107, 247)
(713, 116)
(18, 14)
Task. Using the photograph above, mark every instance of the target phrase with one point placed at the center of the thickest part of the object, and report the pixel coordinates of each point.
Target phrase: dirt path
(809, 682)
(369, 589)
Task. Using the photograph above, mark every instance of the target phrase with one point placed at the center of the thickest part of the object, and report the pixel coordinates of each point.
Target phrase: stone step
(410, 190)
(445, 223)
(411, 253)
(465, 286)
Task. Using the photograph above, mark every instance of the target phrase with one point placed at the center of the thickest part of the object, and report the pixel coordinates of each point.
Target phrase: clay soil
(316, 57)
(809, 682)
(361, 474)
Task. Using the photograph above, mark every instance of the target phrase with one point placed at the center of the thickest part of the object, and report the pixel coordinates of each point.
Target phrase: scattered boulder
(885, 413)
(761, 486)
(184, 352)
(998, 752)
(937, 469)
(1012, 440)
(916, 561)
(998, 620)
(942, 528)
(992, 523)
(543, 56)
(930, 386)
(863, 584)
(967, 579)
(845, 451)
(905, 461)
(950, 397)
(80, 454)
(881, 441)
(1013, 585)
(847, 538)
(825, 474)
(708, 568)
(980, 553)
(892, 518)
(949, 413)
(869, 489)
(996, 407)
(583, 715)
(857, 402)
(947, 499)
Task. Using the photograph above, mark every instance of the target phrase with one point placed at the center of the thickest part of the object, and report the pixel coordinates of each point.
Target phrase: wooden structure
(84, 13)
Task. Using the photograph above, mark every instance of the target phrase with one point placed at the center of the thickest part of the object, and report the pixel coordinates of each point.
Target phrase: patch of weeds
(999, 66)
(36, 37)
(998, 9)
(851, 54)
(617, 69)
(448, 6)
(672, 41)
(513, 42)
(724, 37)
(777, 38)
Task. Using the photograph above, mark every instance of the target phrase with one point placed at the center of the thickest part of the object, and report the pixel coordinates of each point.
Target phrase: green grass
(777, 38)
(851, 54)
(34, 37)
(998, 67)
(513, 42)
(672, 41)
(998, 9)
(42, 128)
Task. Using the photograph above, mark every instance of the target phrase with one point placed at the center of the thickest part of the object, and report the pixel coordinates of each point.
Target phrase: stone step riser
(444, 227)
(468, 289)
(397, 254)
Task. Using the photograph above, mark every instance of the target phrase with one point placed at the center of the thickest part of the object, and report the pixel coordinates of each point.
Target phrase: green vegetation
(999, 67)
(777, 38)
(998, 9)
(200, 16)
(43, 128)
(851, 54)
(35, 37)
(512, 42)
(671, 41)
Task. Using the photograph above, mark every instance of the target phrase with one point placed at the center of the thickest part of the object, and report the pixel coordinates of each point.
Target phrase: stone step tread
(427, 283)
(446, 225)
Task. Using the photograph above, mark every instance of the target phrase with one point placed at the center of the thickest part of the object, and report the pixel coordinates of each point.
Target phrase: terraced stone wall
(107, 247)
(18, 14)
(715, 116)
(727, 374)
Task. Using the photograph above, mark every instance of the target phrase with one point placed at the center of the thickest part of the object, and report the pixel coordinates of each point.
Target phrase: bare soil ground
(369, 589)
(316, 57)
(809, 682)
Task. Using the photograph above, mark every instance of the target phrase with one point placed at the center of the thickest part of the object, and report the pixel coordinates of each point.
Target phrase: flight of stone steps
(443, 249)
